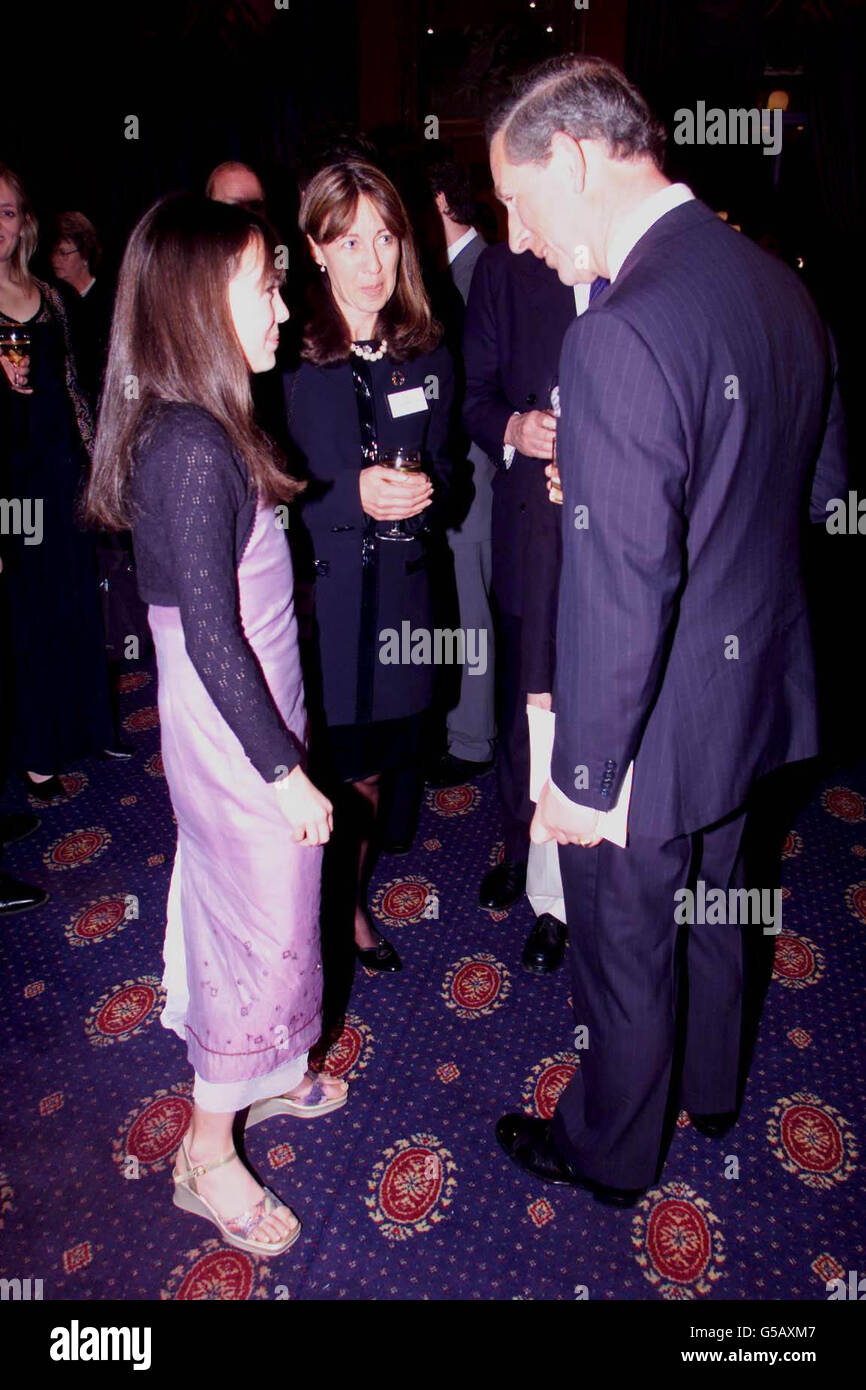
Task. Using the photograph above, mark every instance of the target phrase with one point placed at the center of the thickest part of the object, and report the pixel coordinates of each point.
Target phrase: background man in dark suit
(699, 408)
(471, 721)
(516, 318)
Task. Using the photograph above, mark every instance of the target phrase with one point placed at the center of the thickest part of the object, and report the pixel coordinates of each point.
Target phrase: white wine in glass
(402, 461)
(14, 346)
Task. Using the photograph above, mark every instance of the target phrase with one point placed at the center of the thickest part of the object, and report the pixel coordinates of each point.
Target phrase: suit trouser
(512, 764)
(620, 905)
(472, 721)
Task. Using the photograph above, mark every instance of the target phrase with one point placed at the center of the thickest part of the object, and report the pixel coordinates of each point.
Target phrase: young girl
(180, 460)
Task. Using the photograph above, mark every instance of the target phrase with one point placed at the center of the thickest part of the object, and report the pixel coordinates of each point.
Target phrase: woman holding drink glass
(56, 694)
(369, 408)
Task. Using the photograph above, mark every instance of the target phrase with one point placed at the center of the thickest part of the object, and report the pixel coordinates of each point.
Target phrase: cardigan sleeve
(191, 487)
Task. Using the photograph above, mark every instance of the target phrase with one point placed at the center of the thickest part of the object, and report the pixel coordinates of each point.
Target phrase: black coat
(516, 319)
(355, 602)
(90, 329)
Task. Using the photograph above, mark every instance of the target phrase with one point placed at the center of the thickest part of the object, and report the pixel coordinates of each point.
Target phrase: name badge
(407, 402)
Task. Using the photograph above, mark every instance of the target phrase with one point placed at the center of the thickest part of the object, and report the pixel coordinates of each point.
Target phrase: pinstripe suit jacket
(699, 413)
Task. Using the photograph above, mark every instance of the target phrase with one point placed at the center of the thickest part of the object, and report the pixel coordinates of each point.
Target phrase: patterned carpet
(404, 1193)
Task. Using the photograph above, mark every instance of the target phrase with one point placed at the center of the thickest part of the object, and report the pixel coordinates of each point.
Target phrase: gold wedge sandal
(235, 1230)
(314, 1103)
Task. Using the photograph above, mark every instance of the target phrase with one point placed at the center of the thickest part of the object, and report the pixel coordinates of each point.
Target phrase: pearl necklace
(368, 354)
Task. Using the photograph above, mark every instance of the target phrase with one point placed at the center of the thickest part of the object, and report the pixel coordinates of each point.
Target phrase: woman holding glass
(56, 691)
(369, 408)
(181, 460)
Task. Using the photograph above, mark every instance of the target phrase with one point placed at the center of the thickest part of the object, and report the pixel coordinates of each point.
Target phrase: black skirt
(353, 752)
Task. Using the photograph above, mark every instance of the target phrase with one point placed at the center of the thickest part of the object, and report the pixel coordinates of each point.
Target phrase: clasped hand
(564, 823)
(390, 495)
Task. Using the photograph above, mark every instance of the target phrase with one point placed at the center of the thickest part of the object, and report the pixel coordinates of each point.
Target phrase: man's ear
(569, 154)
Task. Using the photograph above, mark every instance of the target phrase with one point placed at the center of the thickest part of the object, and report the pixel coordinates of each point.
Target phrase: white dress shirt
(457, 246)
(581, 297)
(638, 222)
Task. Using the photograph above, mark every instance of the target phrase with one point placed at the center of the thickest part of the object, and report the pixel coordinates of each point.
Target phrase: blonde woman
(57, 682)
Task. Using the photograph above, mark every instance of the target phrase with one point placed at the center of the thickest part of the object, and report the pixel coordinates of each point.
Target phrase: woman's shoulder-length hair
(173, 340)
(328, 207)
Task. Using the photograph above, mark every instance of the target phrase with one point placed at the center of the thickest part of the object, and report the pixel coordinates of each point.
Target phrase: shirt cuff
(508, 450)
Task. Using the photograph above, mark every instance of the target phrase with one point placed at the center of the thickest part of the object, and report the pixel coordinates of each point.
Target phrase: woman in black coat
(373, 377)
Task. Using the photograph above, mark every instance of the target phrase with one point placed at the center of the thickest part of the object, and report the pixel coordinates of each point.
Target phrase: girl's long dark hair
(173, 339)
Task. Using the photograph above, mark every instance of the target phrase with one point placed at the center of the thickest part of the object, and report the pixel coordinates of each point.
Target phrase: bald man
(236, 183)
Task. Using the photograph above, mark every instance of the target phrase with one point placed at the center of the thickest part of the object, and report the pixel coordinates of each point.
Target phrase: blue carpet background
(404, 1193)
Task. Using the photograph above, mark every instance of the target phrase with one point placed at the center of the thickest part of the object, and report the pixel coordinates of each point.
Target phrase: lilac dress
(242, 954)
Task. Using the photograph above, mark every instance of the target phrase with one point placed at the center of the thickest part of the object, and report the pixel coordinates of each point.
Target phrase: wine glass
(403, 461)
(556, 411)
(14, 346)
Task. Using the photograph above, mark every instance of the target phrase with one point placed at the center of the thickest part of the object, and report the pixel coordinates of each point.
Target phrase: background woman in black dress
(57, 699)
(373, 375)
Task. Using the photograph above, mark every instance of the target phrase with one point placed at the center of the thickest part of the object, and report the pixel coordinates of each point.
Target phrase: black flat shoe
(503, 886)
(382, 957)
(19, 897)
(16, 826)
(51, 790)
(454, 772)
(545, 945)
(714, 1126)
(119, 751)
(528, 1142)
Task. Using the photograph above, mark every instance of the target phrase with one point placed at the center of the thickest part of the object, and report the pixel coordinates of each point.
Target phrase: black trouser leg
(715, 981)
(621, 908)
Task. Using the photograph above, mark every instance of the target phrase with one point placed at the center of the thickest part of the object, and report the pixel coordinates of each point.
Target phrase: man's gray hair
(588, 98)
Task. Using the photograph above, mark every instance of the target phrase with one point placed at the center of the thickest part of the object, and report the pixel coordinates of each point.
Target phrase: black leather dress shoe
(714, 1126)
(503, 885)
(453, 772)
(15, 826)
(45, 791)
(382, 957)
(528, 1142)
(18, 897)
(545, 945)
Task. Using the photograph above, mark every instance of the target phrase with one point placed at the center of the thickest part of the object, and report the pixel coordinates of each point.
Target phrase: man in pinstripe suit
(699, 412)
